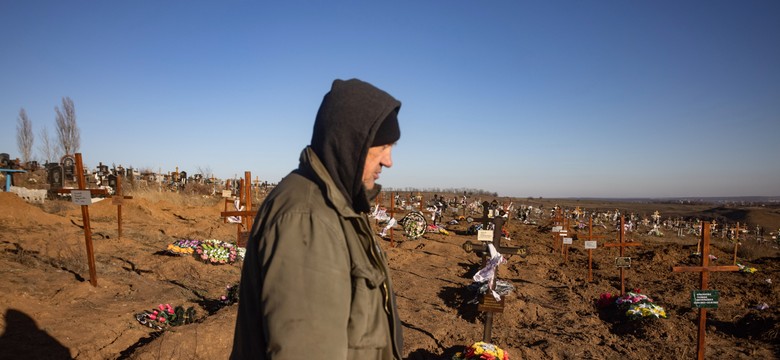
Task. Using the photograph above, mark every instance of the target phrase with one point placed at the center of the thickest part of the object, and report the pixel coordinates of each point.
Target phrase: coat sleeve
(306, 291)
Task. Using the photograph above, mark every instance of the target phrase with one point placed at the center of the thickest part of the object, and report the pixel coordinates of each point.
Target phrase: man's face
(377, 157)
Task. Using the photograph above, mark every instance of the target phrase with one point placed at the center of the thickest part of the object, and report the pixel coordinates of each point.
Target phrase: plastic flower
(746, 269)
(482, 351)
(645, 309)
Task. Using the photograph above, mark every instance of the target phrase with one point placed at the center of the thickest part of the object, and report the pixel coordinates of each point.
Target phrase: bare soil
(51, 311)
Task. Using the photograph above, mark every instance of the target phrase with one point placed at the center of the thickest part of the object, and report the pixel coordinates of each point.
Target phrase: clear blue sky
(524, 98)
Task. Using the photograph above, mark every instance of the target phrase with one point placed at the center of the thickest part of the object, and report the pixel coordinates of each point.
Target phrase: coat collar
(309, 159)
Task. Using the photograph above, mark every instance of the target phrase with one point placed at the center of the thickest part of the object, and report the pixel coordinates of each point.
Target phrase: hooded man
(315, 283)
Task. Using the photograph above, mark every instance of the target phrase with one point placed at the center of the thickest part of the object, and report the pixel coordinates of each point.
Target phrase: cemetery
(124, 265)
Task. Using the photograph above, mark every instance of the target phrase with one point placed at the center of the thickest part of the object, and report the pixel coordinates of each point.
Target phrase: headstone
(68, 163)
(54, 175)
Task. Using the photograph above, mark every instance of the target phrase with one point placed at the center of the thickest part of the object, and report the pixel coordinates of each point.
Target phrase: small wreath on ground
(414, 224)
(482, 351)
(166, 316)
(216, 252)
(183, 247)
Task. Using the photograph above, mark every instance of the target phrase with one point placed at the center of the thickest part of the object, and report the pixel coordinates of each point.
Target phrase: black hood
(346, 123)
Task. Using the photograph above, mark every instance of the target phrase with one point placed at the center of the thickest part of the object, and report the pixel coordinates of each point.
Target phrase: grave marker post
(736, 242)
(118, 200)
(247, 215)
(557, 226)
(590, 244)
(392, 216)
(622, 262)
(705, 270)
(85, 217)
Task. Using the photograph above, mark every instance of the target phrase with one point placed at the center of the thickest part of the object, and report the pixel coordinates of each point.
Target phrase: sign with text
(567, 241)
(489, 304)
(485, 235)
(557, 228)
(705, 298)
(623, 262)
(227, 193)
(81, 197)
(590, 244)
(117, 200)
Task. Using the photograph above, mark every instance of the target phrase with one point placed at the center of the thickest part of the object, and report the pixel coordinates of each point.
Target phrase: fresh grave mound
(14, 210)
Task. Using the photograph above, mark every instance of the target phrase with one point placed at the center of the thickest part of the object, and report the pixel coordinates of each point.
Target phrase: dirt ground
(51, 311)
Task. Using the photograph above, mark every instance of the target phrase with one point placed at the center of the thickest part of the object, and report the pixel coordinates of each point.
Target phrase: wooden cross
(705, 270)
(564, 237)
(247, 215)
(736, 241)
(118, 200)
(487, 303)
(557, 221)
(85, 217)
(392, 215)
(590, 249)
(622, 262)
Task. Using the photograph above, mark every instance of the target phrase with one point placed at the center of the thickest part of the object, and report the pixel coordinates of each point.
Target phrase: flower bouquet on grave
(482, 351)
(183, 247)
(216, 252)
(232, 295)
(166, 316)
(746, 269)
(633, 305)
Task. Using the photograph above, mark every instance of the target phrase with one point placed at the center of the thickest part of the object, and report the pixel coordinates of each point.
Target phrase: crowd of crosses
(569, 228)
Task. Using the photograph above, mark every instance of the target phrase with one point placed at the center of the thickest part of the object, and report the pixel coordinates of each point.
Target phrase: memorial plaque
(485, 235)
(705, 298)
(557, 228)
(623, 262)
(567, 241)
(590, 245)
(227, 193)
(117, 200)
(81, 197)
(489, 304)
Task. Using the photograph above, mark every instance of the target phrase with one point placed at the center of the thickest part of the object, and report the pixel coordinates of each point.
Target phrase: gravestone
(68, 163)
(54, 175)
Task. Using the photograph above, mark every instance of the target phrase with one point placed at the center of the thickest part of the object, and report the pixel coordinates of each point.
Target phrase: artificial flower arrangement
(414, 224)
(166, 316)
(183, 247)
(482, 351)
(746, 269)
(232, 295)
(214, 251)
(635, 304)
(432, 228)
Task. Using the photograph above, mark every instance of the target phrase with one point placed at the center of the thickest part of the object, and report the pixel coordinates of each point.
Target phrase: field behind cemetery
(50, 309)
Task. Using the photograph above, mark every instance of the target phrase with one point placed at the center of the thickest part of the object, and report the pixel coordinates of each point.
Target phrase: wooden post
(118, 200)
(557, 221)
(87, 229)
(392, 216)
(736, 242)
(704, 269)
(247, 215)
(590, 250)
(620, 262)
